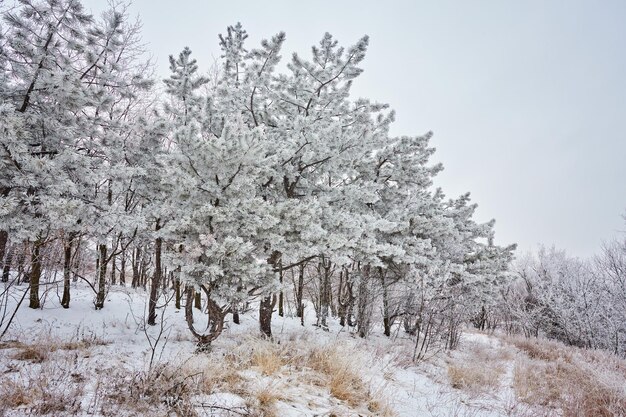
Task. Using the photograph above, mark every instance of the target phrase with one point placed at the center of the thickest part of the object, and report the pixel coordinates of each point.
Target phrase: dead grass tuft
(32, 353)
(380, 407)
(268, 357)
(475, 376)
(542, 349)
(40, 351)
(162, 390)
(15, 395)
(575, 381)
(343, 380)
(49, 390)
(214, 375)
(265, 400)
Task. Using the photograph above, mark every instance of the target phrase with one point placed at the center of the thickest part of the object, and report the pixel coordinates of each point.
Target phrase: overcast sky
(527, 99)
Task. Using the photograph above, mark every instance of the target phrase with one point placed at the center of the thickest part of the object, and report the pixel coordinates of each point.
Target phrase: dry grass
(475, 376)
(268, 357)
(32, 353)
(161, 391)
(262, 402)
(575, 381)
(41, 351)
(334, 367)
(214, 375)
(50, 390)
(380, 407)
(343, 379)
(479, 367)
(536, 382)
(286, 369)
(542, 349)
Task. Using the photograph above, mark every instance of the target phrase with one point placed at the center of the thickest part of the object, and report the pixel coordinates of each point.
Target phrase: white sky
(527, 99)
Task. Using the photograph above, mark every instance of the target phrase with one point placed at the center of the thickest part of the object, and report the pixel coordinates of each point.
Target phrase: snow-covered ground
(80, 361)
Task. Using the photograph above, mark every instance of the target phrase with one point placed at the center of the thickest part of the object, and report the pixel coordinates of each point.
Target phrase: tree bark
(67, 268)
(77, 259)
(35, 274)
(178, 292)
(215, 323)
(123, 268)
(113, 270)
(6, 269)
(281, 296)
(102, 276)
(21, 258)
(143, 271)
(386, 315)
(135, 261)
(266, 309)
(299, 294)
(364, 307)
(156, 279)
(4, 237)
(324, 272)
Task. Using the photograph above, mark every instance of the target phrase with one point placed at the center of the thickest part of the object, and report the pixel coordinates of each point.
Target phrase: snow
(118, 342)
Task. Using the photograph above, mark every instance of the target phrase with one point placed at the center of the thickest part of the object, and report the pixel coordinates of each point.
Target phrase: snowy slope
(98, 363)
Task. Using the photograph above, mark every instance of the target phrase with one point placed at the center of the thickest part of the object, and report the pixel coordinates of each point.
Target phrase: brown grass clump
(81, 344)
(32, 353)
(267, 357)
(214, 375)
(536, 382)
(40, 351)
(15, 395)
(48, 391)
(343, 380)
(474, 376)
(264, 400)
(380, 407)
(575, 381)
(576, 391)
(11, 344)
(159, 391)
(546, 350)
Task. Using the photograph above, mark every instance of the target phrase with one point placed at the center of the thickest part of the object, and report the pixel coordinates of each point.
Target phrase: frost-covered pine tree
(75, 86)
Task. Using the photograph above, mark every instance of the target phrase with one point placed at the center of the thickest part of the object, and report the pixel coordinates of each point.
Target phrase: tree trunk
(299, 293)
(156, 279)
(113, 270)
(364, 306)
(6, 269)
(143, 272)
(35, 274)
(135, 261)
(123, 268)
(21, 258)
(324, 272)
(67, 268)
(198, 301)
(77, 259)
(281, 296)
(266, 309)
(215, 323)
(386, 316)
(178, 292)
(4, 235)
(102, 276)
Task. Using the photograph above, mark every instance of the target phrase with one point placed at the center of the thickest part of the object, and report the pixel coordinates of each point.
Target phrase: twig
(15, 312)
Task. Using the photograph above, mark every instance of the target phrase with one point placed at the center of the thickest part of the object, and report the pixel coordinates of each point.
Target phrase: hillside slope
(85, 362)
